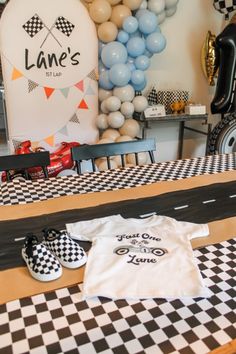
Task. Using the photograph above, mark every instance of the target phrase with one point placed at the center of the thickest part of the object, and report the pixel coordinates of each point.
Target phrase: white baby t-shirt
(140, 258)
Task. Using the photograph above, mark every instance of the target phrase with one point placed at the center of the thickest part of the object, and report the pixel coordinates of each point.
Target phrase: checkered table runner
(18, 192)
(60, 322)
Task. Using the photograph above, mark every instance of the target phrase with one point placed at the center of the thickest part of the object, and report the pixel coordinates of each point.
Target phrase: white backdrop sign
(49, 61)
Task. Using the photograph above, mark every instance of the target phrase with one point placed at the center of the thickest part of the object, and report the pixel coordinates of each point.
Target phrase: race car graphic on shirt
(139, 247)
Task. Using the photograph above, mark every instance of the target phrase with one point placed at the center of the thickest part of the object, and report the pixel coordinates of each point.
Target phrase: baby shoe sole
(42, 277)
(73, 265)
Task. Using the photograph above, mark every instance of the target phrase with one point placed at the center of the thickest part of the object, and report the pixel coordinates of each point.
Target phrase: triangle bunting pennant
(63, 131)
(90, 91)
(74, 119)
(83, 104)
(16, 74)
(93, 75)
(31, 85)
(49, 91)
(49, 140)
(65, 91)
(80, 85)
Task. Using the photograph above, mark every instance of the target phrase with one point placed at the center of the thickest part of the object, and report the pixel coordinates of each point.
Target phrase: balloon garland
(129, 35)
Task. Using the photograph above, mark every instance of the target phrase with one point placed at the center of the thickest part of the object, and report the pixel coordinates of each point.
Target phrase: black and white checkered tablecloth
(18, 192)
(60, 322)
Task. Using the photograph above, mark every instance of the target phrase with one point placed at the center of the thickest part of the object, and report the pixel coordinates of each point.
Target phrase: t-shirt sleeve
(87, 230)
(193, 230)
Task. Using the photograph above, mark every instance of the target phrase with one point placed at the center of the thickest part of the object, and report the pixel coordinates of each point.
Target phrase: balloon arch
(129, 35)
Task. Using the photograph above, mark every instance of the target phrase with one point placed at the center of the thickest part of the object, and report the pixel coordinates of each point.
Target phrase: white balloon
(171, 3)
(161, 17)
(156, 6)
(115, 119)
(67, 173)
(103, 165)
(102, 121)
(111, 134)
(103, 107)
(140, 103)
(130, 128)
(127, 109)
(124, 93)
(142, 158)
(143, 5)
(171, 11)
(113, 103)
(103, 94)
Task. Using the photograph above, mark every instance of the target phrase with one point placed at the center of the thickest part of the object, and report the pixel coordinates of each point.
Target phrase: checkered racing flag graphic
(33, 25)
(65, 26)
(225, 6)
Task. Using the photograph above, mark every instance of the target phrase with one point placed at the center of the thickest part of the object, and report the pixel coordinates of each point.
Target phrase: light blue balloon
(155, 42)
(142, 62)
(147, 53)
(147, 22)
(131, 66)
(140, 12)
(122, 36)
(135, 46)
(140, 87)
(114, 53)
(101, 45)
(101, 67)
(137, 77)
(104, 81)
(135, 34)
(130, 60)
(119, 74)
(130, 24)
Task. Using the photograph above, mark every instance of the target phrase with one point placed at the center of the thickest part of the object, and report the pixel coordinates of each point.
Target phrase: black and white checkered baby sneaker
(67, 251)
(41, 263)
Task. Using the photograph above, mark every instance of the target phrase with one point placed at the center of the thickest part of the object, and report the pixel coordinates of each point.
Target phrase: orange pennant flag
(83, 105)
(16, 74)
(48, 91)
(49, 140)
(80, 85)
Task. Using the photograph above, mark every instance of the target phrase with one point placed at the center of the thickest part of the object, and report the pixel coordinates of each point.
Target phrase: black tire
(122, 251)
(158, 251)
(222, 139)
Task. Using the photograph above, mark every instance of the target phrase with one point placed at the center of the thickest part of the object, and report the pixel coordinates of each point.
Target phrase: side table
(181, 119)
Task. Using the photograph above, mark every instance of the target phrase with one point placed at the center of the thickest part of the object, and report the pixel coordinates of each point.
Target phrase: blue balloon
(140, 12)
(122, 36)
(131, 66)
(114, 53)
(101, 67)
(104, 81)
(140, 87)
(130, 24)
(135, 34)
(147, 22)
(147, 53)
(119, 74)
(101, 45)
(135, 46)
(137, 77)
(142, 62)
(155, 42)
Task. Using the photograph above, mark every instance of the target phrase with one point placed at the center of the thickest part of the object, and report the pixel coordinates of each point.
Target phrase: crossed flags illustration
(35, 24)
